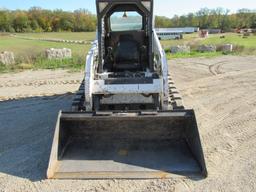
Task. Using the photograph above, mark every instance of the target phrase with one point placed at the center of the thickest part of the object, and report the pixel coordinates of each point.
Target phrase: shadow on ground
(26, 132)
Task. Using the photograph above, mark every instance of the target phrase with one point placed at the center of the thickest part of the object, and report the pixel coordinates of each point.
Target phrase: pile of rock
(7, 58)
(207, 48)
(180, 49)
(51, 40)
(58, 53)
(74, 42)
(64, 41)
(226, 48)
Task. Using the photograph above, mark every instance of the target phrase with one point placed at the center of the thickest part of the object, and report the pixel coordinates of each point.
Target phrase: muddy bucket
(128, 146)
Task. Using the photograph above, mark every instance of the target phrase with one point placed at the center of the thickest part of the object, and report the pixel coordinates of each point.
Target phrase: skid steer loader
(127, 119)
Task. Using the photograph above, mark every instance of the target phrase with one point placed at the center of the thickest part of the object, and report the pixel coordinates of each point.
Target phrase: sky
(167, 8)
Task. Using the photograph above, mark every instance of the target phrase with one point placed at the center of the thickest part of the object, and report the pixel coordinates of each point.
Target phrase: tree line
(205, 18)
(40, 20)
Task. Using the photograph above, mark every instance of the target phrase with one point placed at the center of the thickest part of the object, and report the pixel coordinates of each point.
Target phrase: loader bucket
(127, 146)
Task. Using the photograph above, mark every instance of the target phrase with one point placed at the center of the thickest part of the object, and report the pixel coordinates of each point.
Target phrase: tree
(5, 21)
(66, 25)
(243, 18)
(40, 20)
(203, 17)
(192, 20)
(253, 21)
(21, 22)
(163, 22)
(84, 20)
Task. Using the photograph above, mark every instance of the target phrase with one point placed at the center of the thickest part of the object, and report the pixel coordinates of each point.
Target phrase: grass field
(243, 46)
(236, 39)
(88, 36)
(27, 48)
(233, 38)
(188, 38)
(29, 54)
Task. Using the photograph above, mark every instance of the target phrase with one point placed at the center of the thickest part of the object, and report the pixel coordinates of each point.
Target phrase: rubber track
(79, 98)
(175, 99)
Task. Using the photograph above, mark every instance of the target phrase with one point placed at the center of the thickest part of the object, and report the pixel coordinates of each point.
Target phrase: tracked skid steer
(127, 119)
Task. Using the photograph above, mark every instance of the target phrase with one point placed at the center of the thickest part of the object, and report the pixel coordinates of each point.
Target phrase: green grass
(29, 54)
(193, 54)
(28, 48)
(87, 36)
(3, 68)
(73, 64)
(242, 46)
(231, 38)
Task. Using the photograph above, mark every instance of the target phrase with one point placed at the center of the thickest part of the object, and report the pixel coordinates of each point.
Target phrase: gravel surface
(221, 90)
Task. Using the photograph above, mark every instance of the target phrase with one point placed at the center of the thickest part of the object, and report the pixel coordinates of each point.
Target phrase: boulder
(226, 48)
(180, 49)
(207, 48)
(58, 53)
(7, 58)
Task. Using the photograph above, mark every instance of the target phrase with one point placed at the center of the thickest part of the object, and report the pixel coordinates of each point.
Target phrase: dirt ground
(221, 90)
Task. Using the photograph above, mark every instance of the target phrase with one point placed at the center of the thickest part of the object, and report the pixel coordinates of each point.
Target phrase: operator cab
(125, 41)
(124, 37)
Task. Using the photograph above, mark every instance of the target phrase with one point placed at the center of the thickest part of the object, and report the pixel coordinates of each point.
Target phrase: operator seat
(127, 54)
